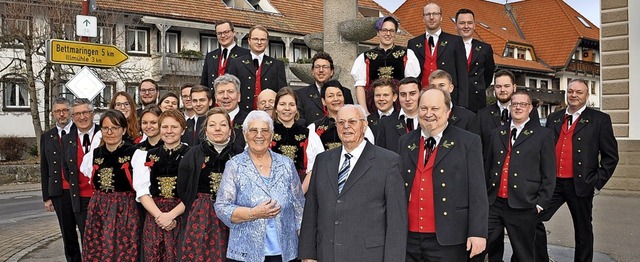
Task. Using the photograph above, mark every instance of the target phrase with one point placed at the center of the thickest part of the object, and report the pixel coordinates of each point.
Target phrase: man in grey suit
(355, 208)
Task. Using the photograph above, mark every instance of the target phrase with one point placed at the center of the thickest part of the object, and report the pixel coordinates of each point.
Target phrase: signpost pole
(85, 11)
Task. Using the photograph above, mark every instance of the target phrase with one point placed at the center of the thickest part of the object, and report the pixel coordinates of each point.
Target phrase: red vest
(86, 190)
(430, 63)
(421, 205)
(503, 190)
(258, 87)
(222, 67)
(469, 60)
(65, 183)
(564, 151)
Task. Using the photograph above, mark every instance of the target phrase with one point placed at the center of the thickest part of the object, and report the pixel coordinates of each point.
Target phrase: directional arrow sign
(86, 26)
(86, 22)
(82, 53)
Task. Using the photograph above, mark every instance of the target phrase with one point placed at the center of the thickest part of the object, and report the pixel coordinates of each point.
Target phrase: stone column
(342, 51)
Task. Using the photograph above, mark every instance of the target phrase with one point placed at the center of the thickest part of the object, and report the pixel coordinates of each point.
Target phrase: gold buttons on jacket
(441, 171)
(515, 186)
(444, 185)
(445, 213)
(444, 199)
(515, 174)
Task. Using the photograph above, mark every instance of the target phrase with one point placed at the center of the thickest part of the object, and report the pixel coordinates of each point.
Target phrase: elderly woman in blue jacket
(260, 198)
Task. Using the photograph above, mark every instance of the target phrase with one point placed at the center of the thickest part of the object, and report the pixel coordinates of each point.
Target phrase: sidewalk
(613, 241)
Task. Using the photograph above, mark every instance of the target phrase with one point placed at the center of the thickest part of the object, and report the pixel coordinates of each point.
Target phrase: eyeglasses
(186, 97)
(323, 67)
(147, 91)
(61, 111)
(387, 31)
(431, 14)
(259, 40)
(83, 113)
(263, 132)
(351, 122)
(227, 32)
(110, 129)
(521, 105)
(125, 104)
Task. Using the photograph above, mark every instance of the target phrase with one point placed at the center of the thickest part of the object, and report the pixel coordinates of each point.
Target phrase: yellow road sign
(83, 53)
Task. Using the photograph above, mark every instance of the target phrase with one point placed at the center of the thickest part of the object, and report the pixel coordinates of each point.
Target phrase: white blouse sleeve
(314, 147)
(141, 174)
(359, 71)
(86, 167)
(412, 68)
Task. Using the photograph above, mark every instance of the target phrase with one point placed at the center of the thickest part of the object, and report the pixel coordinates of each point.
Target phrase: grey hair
(61, 100)
(257, 115)
(225, 79)
(360, 109)
(81, 101)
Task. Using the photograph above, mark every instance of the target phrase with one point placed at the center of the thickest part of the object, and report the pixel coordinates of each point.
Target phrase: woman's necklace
(258, 161)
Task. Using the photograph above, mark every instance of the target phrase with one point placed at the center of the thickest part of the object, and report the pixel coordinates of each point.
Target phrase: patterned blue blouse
(242, 186)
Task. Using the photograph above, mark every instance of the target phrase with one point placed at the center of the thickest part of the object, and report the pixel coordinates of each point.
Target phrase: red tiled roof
(548, 47)
(553, 50)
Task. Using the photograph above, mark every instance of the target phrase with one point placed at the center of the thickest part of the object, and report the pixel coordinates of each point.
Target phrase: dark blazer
(272, 77)
(390, 129)
(374, 119)
(211, 61)
(480, 74)
(310, 103)
(595, 149)
(532, 166)
(71, 168)
(460, 206)
(465, 119)
(51, 163)
(451, 58)
(188, 137)
(367, 221)
(489, 119)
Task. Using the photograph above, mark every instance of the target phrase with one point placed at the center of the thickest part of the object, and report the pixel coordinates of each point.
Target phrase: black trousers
(68, 224)
(521, 226)
(425, 247)
(581, 214)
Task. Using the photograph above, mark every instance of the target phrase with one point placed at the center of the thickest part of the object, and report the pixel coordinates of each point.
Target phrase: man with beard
(216, 61)
(498, 114)
(387, 60)
(438, 50)
(149, 93)
(55, 188)
(201, 101)
(444, 184)
(310, 106)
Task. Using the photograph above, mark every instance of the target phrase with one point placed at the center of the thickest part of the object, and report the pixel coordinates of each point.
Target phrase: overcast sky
(590, 9)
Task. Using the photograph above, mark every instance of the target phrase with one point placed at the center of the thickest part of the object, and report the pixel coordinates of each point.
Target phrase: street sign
(82, 53)
(85, 84)
(86, 26)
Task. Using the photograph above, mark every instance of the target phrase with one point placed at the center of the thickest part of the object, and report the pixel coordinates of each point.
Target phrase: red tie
(258, 85)
(469, 61)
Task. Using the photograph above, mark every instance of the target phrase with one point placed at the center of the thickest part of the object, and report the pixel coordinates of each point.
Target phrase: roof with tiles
(293, 16)
(500, 30)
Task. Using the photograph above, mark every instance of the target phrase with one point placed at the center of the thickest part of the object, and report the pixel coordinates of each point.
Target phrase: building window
(538, 82)
(300, 52)
(533, 83)
(544, 84)
(208, 43)
(172, 42)
(103, 99)
(522, 54)
(276, 50)
(509, 52)
(132, 89)
(253, 5)
(14, 26)
(584, 22)
(105, 35)
(594, 87)
(15, 93)
(137, 40)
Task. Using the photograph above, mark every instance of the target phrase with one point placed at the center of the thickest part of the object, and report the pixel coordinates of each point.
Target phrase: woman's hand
(164, 220)
(266, 209)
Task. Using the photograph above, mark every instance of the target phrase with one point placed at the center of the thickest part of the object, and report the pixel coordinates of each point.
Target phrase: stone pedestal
(342, 51)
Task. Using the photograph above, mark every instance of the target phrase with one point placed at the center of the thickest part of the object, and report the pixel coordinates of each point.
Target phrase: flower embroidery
(371, 55)
(446, 144)
(419, 45)
(214, 56)
(527, 132)
(237, 126)
(557, 120)
(412, 147)
(478, 48)
(246, 62)
(453, 118)
(314, 96)
(582, 121)
(495, 114)
(320, 130)
(503, 132)
(398, 53)
(233, 56)
(152, 160)
(124, 159)
(300, 137)
(400, 126)
(98, 161)
(204, 164)
(276, 137)
(444, 43)
(268, 62)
